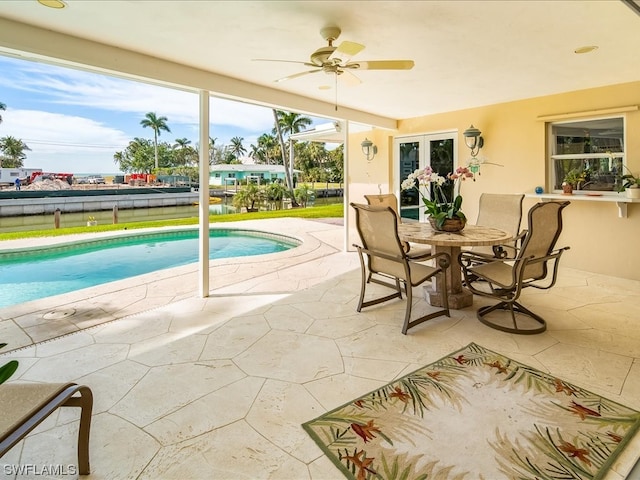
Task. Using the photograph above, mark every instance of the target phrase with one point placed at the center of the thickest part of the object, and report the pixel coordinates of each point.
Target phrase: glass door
(438, 151)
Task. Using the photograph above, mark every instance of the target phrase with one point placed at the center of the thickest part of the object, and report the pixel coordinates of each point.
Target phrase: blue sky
(74, 121)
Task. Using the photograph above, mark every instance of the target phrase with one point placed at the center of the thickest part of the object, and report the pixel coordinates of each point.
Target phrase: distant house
(223, 175)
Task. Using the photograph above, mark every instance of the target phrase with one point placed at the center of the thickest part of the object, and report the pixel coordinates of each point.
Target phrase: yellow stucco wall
(600, 241)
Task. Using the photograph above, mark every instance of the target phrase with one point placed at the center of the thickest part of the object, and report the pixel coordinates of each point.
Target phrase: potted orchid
(630, 183)
(444, 211)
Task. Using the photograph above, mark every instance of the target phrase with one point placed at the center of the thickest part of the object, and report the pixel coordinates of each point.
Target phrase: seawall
(21, 203)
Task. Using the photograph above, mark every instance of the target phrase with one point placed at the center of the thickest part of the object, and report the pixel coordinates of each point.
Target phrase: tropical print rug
(475, 414)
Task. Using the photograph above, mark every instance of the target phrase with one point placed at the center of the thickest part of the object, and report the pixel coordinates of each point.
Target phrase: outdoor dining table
(452, 243)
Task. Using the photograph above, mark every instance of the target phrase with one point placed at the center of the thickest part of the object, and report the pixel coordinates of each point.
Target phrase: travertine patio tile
(286, 317)
(235, 337)
(334, 391)
(323, 310)
(606, 340)
(67, 366)
(279, 410)
(167, 388)
(125, 450)
(383, 342)
(616, 317)
(274, 354)
(591, 369)
(106, 391)
(232, 452)
(74, 341)
(340, 327)
(217, 409)
(134, 329)
(380, 370)
(13, 335)
(167, 349)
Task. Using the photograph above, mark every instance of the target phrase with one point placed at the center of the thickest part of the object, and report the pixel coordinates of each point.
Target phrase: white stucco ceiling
(466, 53)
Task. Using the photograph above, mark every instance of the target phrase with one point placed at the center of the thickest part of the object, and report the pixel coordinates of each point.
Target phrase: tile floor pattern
(217, 388)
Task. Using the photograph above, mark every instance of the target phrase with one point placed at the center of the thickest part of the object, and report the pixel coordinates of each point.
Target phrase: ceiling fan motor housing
(321, 55)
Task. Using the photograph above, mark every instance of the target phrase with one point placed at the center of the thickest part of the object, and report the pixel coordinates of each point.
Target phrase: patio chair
(25, 405)
(503, 211)
(385, 257)
(535, 265)
(390, 200)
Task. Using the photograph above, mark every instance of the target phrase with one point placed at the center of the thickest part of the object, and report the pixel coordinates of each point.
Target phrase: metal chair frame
(394, 264)
(506, 278)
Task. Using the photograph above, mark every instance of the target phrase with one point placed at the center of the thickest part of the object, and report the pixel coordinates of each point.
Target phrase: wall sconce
(369, 149)
(473, 139)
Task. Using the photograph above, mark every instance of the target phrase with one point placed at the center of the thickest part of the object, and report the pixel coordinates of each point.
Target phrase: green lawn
(320, 211)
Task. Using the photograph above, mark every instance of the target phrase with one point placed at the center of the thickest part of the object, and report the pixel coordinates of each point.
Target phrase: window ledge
(619, 198)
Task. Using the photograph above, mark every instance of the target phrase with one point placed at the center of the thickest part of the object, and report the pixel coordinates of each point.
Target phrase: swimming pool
(35, 273)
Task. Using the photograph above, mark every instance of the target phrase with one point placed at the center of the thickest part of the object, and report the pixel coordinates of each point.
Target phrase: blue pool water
(38, 273)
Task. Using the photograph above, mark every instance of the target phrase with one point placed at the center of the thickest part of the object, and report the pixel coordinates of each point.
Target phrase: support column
(203, 206)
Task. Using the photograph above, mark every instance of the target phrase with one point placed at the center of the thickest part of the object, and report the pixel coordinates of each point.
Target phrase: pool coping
(37, 321)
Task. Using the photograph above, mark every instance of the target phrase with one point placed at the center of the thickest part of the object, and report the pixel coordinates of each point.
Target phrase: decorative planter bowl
(450, 225)
(633, 192)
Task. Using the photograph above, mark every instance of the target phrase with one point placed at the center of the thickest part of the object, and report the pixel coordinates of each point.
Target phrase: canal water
(46, 221)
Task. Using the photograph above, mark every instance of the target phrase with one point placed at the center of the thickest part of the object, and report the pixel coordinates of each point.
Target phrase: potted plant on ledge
(630, 184)
(571, 181)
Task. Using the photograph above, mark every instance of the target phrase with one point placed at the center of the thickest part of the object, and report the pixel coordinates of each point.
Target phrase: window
(589, 154)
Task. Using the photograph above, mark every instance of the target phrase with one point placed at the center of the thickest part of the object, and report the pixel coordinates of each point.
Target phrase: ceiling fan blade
(296, 75)
(382, 65)
(283, 61)
(345, 51)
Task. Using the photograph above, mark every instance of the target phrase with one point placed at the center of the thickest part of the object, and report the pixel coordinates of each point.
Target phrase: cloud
(46, 132)
(64, 86)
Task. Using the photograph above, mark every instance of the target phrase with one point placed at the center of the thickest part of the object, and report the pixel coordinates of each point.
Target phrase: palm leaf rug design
(475, 414)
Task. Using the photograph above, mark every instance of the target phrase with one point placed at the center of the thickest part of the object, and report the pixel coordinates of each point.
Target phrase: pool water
(38, 273)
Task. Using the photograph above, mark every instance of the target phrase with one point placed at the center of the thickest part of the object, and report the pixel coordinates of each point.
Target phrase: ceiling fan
(337, 60)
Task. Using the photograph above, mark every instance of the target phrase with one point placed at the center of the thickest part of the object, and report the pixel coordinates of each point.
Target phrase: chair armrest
(393, 258)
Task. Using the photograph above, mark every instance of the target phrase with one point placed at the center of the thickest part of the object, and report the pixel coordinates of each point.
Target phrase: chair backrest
(545, 226)
(378, 230)
(384, 200)
(503, 211)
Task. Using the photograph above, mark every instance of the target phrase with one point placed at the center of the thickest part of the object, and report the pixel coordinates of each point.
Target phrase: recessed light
(587, 49)
(52, 3)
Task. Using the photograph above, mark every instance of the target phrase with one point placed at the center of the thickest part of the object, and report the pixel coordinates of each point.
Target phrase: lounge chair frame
(25, 406)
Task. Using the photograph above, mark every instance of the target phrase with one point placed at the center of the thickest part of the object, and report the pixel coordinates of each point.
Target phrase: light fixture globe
(369, 149)
(473, 139)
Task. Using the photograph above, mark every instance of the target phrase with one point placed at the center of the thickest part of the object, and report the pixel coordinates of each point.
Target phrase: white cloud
(46, 132)
(64, 86)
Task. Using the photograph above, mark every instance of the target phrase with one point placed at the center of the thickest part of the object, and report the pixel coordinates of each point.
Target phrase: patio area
(196, 388)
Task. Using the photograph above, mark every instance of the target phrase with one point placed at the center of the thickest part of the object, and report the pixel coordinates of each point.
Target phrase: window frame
(553, 157)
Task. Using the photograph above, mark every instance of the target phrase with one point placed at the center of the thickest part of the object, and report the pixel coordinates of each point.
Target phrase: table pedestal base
(456, 300)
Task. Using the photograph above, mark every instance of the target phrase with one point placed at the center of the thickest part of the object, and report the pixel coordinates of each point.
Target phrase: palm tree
(266, 149)
(157, 124)
(13, 149)
(287, 173)
(185, 153)
(292, 122)
(2, 107)
(236, 147)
